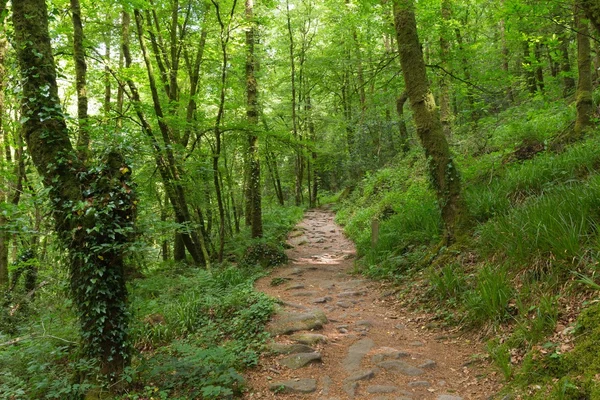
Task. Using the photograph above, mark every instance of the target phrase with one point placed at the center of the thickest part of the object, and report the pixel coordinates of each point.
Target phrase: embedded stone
(300, 360)
(283, 348)
(401, 367)
(361, 376)
(305, 385)
(293, 322)
(309, 338)
(428, 364)
(356, 352)
(375, 389)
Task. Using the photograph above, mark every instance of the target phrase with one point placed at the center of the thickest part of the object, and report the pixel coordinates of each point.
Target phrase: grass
(530, 260)
(193, 331)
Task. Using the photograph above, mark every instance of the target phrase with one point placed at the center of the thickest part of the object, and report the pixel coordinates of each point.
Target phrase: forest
(156, 154)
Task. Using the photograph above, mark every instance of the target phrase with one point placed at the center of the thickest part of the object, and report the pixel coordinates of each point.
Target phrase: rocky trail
(338, 336)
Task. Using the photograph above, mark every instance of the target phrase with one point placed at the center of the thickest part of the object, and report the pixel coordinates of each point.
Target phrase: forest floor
(339, 336)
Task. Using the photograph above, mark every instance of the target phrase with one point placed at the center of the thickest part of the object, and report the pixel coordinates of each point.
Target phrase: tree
(444, 175)
(93, 209)
(253, 192)
(584, 103)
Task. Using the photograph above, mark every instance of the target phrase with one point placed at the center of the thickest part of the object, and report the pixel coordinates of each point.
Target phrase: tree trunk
(167, 164)
(107, 76)
(565, 65)
(403, 130)
(584, 102)
(505, 59)
(4, 149)
(445, 177)
(539, 71)
(93, 228)
(83, 140)
(254, 199)
(445, 109)
(529, 71)
(592, 11)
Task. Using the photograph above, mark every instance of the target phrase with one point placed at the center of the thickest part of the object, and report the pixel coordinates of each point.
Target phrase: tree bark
(565, 65)
(444, 175)
(83, 140)
(584, 103)
(4, 150)
(529, 71)
(403, 131)
(254, 186)
(445, 109)
(96, 256)
(592, 12)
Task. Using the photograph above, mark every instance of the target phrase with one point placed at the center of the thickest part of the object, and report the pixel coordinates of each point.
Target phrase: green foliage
(551, 230)
(264, 255)
(204, 325)
(448, 282)
(490, 298)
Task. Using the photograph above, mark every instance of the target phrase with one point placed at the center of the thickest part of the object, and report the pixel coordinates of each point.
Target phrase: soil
(373, 349)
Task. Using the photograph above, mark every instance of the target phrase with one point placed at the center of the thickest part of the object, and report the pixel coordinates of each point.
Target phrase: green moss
(585, 358)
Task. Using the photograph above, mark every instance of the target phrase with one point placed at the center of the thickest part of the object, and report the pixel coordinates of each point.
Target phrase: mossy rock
(263, 254)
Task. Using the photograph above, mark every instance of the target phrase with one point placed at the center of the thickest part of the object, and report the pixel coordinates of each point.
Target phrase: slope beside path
(337, 336)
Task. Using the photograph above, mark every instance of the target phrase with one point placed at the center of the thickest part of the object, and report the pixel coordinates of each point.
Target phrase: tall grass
(499, 187)
(554, 229)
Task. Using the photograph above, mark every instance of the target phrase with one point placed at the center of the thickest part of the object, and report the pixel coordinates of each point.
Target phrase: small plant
(277, 281)
(447, 282)
(490, 299)
(500, 354)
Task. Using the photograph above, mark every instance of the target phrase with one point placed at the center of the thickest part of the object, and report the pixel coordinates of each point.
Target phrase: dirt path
(338, 337)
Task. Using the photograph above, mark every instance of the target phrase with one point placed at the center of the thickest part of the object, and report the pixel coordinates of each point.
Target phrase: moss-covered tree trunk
(584, 102)
(93, 209)
(403, 130)
(445, 109)
(254, 195)
(592, 11)
(4, 152)
(444, 175)
(83, 139)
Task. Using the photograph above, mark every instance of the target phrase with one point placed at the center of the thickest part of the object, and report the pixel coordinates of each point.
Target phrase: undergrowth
(193, 330)
(529, 265)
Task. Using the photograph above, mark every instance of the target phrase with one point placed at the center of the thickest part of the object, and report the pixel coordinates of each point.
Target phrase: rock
(291, 322)
(304, 294)
(293, 305)
(304, 385)
(326, 382)
(343, 304)
(299, 360)
(419, 384)
(309, 338)
(361, 376)
(448, 397)
(350, 388)
(320, 300)
(352, 294)
(400, 326)
(281, 348)
(364, 323)
(428, 364)
(387, 353)
(295, 286)
(401, 367)
(296, 271)
(381, 389)
(356, 352)
(416, 344)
